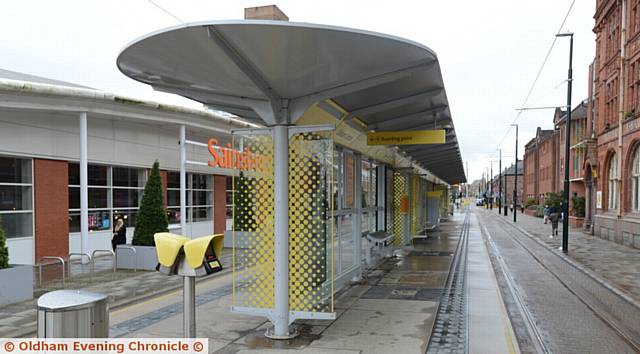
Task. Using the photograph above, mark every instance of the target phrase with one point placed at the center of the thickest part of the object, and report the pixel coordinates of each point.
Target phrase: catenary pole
(515, 183)
(500, 183)
(567, 144)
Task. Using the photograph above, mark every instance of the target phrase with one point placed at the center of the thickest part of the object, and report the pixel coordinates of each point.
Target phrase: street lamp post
(500, 183)
(515, 173)
(492, 200)
(506, 201)
(567, 128)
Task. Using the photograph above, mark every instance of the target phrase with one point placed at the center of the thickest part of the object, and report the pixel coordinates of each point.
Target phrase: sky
(489, 51)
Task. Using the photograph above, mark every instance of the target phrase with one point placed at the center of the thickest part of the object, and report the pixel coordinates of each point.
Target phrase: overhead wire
(166, 11)
(535, 81)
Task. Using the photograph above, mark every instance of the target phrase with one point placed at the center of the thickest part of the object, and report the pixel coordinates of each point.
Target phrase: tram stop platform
(439, 296)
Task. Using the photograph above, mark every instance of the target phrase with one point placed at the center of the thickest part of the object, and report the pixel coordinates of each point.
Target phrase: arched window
(635, 180)
(613, 182)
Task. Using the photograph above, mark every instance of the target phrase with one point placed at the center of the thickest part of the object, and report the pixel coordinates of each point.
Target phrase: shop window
(613, 197)
(199, 194)
(112, 191)
(16, 195)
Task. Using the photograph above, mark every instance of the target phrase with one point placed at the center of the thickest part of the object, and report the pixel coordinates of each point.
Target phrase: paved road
(565, 323)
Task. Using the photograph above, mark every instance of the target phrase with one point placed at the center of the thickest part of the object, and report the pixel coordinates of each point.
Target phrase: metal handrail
(40, 267)
(135, 256)
(113, 257)
(81, 255)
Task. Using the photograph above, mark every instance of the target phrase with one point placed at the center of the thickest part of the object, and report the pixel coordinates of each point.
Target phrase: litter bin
(73, 314)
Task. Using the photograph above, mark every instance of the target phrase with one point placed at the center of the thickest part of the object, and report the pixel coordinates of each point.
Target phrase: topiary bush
(4, 251)
(152, 216)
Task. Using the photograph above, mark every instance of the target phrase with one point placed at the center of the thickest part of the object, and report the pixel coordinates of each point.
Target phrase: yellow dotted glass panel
(253, 222)
(399, 199)
(310, 227)
(415, 208)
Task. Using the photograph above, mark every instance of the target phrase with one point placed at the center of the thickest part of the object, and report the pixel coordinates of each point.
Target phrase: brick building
(544, 159)
(616, 90)
(508, 183)
(539, 166)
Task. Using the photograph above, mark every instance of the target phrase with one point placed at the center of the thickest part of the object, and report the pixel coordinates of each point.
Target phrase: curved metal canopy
(272, 71)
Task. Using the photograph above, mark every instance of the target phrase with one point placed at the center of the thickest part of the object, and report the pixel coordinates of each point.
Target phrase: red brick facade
(50, 181)
(544, 157)
(616, 91)
(219, 202)
(540, 170)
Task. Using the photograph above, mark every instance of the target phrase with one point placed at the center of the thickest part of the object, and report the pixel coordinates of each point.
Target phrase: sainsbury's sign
(226, 157)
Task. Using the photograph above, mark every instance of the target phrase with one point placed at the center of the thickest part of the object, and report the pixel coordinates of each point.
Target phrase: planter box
(17, 284)
(145, 258)
(530, 212)
(575, 221)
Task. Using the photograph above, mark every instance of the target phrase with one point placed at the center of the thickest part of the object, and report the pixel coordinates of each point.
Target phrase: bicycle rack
(81, 255)
(53, 258)
(135, 257)
(113, 257)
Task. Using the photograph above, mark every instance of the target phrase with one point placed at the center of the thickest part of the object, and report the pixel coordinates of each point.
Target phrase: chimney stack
(269, 12)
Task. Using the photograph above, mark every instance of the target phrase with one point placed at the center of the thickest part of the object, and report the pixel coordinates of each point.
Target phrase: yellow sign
(409, 137)
(434, 194)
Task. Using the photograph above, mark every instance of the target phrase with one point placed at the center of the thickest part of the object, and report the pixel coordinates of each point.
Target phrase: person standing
(119, 236)
(546, 213)
(554, 216)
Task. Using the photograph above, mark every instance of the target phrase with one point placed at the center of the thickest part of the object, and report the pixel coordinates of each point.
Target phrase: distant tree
(4, 251)
(152, 216)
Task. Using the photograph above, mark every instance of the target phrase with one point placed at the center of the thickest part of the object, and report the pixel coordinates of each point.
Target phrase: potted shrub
(19, 276)
(577, 210)
(151, 219)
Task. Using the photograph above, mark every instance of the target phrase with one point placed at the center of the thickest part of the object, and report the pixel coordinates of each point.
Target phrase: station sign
(408, 137)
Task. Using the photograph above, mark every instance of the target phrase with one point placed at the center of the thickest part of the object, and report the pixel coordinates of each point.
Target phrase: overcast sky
(489, 51)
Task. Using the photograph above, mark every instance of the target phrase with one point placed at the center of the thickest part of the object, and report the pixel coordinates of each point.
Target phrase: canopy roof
(272, 71)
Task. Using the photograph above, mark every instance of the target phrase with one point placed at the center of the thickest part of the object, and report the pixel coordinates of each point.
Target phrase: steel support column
(183, 180)
(84, 189)
(281, 250)
(357, 227)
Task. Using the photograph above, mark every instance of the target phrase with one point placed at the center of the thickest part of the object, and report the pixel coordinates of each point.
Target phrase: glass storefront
(112, 191)
(199, 197)
(16, 197)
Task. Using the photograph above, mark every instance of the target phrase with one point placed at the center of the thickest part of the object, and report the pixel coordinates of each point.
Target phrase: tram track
(614, 309)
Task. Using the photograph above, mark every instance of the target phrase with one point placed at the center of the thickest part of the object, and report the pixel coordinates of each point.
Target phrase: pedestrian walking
(554, 217)
(545, 213)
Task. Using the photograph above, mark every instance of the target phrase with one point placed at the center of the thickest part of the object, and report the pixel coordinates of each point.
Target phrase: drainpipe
(623, 61)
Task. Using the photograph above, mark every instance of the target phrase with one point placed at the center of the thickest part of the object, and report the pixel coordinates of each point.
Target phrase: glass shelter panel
(253, 224)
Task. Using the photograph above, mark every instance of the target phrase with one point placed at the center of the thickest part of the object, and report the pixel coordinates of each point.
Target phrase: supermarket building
(40, 134)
